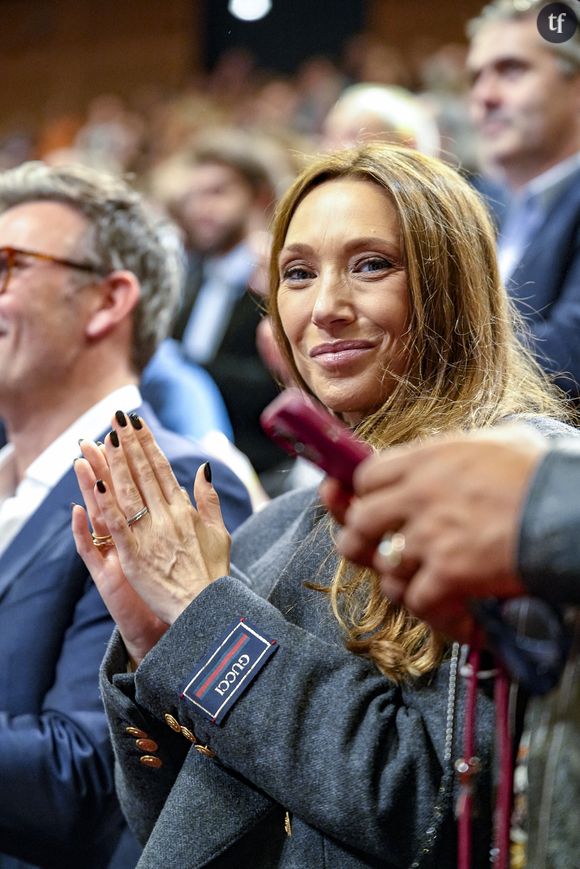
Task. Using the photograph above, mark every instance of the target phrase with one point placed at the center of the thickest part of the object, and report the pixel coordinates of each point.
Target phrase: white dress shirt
(224, 282)
(19, 500)
(527, 211)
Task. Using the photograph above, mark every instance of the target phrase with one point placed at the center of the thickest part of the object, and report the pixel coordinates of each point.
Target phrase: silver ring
(392, 547)
(138, 515)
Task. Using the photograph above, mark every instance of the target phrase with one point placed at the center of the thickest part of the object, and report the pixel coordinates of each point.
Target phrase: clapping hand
(151, 552)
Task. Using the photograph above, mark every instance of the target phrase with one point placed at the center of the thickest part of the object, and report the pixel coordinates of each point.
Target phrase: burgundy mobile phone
(303, 427)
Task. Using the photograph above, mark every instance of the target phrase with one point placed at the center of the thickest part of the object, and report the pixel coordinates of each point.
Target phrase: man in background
(525, 104)
(226, 191)
(89, 280)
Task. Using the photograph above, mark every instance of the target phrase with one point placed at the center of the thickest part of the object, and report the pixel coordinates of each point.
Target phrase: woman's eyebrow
(371, 241)
(351, 244)
(297, 247)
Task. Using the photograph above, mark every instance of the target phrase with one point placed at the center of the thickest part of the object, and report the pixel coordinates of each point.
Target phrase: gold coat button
(151, 761)
(205, 750)
(189, 734)
(147, 745)
(136, 732)
(172, 722)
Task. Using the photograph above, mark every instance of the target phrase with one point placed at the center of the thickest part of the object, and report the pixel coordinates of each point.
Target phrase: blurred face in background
(342, 296)
(524, 108)
(216, 209)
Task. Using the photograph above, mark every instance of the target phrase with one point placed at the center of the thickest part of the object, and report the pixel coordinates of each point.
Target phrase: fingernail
(135, 421)
(114, 438)
(207, 472)
(80, 440)
(99, 443)
(101, 487)
(121, 418)
(73, 504)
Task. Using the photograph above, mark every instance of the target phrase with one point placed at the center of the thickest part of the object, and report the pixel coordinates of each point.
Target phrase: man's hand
(458, 503)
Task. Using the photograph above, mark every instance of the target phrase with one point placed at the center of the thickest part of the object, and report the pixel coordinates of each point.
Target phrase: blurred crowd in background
(140, 134)
(277, 122)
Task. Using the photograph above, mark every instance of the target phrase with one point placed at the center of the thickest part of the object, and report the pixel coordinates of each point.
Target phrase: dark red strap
(503, 806)
(468, 766)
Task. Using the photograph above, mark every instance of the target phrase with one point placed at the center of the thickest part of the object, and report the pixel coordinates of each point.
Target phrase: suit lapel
(35, 536)
(548, 236)
(191, 286)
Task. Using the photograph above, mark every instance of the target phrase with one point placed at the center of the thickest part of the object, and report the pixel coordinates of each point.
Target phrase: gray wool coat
(320, 745)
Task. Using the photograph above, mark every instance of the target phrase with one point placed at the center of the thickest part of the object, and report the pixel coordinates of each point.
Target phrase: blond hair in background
(385, 113)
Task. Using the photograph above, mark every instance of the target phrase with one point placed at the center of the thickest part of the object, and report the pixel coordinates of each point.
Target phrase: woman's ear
(120, 293)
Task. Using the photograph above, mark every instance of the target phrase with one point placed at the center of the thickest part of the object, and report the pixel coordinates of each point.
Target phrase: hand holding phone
(303, 427)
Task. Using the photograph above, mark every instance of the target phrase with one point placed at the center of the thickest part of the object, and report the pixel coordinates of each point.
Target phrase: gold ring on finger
(105, 540)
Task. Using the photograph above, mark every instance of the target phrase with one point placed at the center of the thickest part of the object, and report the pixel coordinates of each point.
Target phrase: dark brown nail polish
(135, 421)
(207, 472)
(101, 487)
(114, 438)
(121, 418)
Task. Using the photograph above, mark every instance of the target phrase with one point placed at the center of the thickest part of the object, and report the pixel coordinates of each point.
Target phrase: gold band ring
(106, 540)
(392, 547)
(138, 515)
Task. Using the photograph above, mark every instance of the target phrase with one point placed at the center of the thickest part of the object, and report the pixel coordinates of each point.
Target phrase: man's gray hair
(125, 233)
(567, 53)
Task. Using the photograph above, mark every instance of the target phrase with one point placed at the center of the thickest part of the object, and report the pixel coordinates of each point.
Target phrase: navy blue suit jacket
(545, 287)
(57, 802)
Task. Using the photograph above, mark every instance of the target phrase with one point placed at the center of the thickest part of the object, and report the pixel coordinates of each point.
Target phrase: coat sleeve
(168, 747)
(553, 336)
(319, 731)
(144, 790)
(549, 544)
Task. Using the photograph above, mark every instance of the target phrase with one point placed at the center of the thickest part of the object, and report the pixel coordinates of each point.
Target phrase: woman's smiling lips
(334, 354)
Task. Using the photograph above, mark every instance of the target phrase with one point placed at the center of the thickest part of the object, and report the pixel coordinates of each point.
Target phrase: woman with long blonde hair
(292, 716)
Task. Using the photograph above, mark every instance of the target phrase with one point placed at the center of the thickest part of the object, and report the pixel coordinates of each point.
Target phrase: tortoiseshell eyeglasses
(9, 259)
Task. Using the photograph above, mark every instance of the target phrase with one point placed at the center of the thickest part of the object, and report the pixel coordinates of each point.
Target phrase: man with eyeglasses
(89, 280)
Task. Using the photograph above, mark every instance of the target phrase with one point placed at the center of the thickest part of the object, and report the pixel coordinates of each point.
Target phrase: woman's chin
(349, 411)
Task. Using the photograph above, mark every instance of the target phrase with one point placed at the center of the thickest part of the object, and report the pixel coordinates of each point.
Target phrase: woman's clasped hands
(150, 552)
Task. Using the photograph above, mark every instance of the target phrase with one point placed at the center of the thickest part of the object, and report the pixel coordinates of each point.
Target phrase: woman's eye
(296, 273)
(373, 264)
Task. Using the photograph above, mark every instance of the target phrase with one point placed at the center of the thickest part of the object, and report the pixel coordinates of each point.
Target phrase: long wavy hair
(466, 368)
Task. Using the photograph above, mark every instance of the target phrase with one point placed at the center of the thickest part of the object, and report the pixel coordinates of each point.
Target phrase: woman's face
(342, 295)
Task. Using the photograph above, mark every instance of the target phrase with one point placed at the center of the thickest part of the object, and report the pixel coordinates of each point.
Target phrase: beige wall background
(407, 22)
(57, 54)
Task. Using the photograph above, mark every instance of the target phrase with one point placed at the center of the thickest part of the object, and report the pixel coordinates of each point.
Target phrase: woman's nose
(333, 303)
